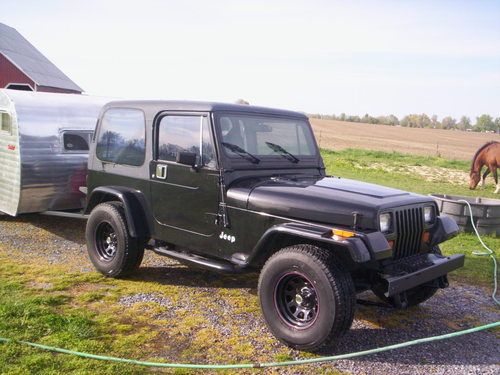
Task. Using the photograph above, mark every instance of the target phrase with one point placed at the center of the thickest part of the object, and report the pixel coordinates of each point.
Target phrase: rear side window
(122, 137)
(5, 122)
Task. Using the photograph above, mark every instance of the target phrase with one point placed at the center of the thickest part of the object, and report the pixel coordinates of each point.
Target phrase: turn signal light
(391, 244)
(426, 237)
(343, 233)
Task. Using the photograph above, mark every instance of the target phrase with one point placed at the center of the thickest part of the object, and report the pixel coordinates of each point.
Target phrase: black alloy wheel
(296, 300)
(306, 296)
(106, 241)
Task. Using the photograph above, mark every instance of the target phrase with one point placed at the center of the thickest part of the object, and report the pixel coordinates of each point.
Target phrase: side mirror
(186, 158)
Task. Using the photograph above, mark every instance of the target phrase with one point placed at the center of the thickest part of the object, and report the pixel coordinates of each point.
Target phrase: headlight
(385, 222)
(429, 214)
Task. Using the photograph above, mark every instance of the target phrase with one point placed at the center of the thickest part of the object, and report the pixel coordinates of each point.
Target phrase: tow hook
(400, 300)
(443, 282)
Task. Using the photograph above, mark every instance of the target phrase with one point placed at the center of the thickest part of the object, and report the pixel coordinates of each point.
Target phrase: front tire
(307, 300)
(111, 249)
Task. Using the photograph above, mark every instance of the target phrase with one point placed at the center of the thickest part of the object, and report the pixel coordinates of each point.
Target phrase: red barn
(23, 67)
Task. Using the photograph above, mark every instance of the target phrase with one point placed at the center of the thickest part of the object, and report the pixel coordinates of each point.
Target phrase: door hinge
(222, 216)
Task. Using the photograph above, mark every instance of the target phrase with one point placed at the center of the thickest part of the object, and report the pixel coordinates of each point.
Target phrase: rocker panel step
(211, 264)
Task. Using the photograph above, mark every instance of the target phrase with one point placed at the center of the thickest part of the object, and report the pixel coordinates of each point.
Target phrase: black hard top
(155, 106)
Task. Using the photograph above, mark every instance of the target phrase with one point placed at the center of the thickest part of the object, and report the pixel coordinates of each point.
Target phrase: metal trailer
(44, 142)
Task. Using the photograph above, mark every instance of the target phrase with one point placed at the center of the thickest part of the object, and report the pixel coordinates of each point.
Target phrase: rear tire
(307, 300)
(112, 250)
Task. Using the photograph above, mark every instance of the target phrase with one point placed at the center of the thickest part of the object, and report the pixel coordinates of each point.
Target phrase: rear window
(122, 137)
(5, 122)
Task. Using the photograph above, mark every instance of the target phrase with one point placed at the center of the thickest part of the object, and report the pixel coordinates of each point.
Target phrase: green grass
(81, 311)
(51, 318)
(478, 269)
(357, 164)
(372, 156)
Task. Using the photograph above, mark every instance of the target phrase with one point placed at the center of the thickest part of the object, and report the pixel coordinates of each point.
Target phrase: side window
(178, 133)
(5, 122)
(121, 137)
(76, 141)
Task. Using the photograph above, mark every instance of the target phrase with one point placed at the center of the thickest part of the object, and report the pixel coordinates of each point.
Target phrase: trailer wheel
(111, 249)
(307, 300)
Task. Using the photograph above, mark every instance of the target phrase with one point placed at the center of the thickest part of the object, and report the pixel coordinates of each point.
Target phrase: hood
(329, 200)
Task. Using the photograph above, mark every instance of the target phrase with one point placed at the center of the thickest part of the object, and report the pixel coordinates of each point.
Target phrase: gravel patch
(461, 306)
(145, 297)
(456, 308)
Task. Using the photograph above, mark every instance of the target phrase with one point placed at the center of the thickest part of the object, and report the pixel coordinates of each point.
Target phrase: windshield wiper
(241, 152)
(282, 151)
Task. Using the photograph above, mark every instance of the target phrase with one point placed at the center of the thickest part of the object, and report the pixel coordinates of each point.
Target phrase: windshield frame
(266, 161)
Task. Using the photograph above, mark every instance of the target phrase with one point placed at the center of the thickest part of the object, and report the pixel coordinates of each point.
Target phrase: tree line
(484, 123)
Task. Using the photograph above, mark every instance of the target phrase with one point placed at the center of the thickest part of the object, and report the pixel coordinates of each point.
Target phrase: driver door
(184, 198)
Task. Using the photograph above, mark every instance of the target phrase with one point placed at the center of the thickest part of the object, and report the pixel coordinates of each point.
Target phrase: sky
(376, 57)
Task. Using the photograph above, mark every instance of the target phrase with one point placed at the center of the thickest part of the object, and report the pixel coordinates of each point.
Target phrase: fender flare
(359, 251)
(138, 214)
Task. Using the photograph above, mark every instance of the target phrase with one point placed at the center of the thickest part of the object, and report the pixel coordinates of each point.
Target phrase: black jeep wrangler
(237, 188)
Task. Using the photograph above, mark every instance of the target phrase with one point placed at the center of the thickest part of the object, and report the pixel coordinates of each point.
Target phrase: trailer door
(10, 171)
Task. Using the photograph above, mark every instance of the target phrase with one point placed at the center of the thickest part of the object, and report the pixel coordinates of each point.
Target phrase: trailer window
(76, 141)
(5, 122)
(122, 137)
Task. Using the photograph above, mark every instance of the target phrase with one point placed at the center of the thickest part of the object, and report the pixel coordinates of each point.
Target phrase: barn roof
(31, 61)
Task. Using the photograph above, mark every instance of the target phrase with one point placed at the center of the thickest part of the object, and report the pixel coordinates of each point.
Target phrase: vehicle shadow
(67, 228)
(163, 270)
(194, 277)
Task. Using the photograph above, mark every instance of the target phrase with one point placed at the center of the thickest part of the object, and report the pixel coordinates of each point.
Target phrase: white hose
(489, 253)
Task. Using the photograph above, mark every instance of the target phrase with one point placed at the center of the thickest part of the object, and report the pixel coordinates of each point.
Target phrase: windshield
(255, 137)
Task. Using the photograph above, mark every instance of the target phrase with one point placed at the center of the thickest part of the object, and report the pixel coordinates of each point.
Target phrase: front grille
(409, 228)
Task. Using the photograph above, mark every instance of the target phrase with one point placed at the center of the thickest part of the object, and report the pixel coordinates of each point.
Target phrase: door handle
(161, 171)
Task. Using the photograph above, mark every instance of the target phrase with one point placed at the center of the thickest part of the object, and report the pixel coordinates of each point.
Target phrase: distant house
(23, 67)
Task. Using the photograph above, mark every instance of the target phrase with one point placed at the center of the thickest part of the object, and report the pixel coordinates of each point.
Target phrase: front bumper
(417, 270)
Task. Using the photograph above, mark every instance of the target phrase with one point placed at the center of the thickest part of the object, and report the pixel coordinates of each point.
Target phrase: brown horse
(488, 155)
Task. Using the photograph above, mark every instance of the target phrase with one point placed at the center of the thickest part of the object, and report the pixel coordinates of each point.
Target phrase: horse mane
(479, 151)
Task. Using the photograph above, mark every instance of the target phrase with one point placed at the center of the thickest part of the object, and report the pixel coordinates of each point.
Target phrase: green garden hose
(488, 253)
(259, 365)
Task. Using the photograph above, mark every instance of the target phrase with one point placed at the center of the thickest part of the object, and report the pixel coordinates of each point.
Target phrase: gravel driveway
(461, 306)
